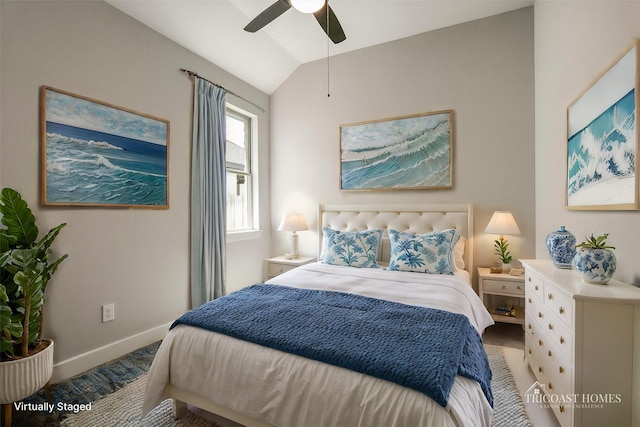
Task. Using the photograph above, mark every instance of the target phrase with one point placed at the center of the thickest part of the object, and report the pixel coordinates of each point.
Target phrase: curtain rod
(194, 74)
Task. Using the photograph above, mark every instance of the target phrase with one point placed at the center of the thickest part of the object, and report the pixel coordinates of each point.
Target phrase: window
(240, 177)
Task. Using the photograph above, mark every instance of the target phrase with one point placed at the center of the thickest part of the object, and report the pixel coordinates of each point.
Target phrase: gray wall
(574, 43)
(483, 70)
(138, 258)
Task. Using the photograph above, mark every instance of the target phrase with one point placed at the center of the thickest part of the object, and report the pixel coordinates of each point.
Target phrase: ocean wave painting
(602, 141)
(100, 155)
(411, 152)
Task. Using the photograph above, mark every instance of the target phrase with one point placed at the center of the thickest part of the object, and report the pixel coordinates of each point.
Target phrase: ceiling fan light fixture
(307, 6)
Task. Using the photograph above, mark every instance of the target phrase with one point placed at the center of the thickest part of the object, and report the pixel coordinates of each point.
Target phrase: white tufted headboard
(415, 218)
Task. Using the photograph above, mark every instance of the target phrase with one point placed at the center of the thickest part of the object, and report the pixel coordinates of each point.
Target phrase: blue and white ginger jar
(596, 266)
(561, 245)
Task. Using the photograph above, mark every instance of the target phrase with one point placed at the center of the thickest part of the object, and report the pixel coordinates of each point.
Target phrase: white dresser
(579, 343)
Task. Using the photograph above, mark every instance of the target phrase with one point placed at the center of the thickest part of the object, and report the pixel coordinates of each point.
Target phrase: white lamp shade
(293, 222)
(502, 222)
(307, 6)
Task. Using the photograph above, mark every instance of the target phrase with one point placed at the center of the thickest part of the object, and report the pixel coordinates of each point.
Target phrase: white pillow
(458, 253)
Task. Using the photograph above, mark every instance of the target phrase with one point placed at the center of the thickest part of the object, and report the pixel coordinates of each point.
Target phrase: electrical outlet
(108, 312)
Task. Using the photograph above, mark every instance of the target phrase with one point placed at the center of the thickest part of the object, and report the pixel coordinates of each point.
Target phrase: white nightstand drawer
(276, 269)
(504, 287)
(277, 265)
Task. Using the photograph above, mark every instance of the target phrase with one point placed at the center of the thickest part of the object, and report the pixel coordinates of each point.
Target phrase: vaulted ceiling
(213, 29)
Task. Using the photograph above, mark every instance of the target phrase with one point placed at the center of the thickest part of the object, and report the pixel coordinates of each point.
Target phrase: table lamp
(293, 222)
(502, 222)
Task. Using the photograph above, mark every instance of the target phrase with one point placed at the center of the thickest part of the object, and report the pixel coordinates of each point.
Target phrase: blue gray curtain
(208, 193)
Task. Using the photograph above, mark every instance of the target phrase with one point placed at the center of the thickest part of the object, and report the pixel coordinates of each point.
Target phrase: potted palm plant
(26, 358)
(594, 260)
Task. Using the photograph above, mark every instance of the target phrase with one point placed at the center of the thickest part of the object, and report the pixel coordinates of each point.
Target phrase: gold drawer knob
(561, 408)
(550, 386)
(529, 351)
(529, 278)
(536, 288)
(561, 369)
(549, 353)
(539, 368)
(561, 340)
(550, 296)
(550, 326)
(529, 300)
(540, 342)
(540, 314)
(561, 310)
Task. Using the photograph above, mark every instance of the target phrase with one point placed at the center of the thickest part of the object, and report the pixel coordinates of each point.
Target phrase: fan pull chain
(328, 46)
(328, 71)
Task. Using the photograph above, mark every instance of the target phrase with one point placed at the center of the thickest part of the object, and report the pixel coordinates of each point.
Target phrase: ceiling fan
(320, 9)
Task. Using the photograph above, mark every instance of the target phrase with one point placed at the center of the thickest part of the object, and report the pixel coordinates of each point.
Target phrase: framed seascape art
(97, 154)
(602, 139)
(402, 153)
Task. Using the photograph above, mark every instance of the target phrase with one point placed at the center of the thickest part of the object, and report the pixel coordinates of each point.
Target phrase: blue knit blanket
(416, 347)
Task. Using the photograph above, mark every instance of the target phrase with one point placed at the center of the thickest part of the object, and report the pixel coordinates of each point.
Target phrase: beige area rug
(123, 408)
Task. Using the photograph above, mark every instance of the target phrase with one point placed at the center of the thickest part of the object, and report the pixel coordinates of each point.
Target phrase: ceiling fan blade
(268, 15)
(334, 29)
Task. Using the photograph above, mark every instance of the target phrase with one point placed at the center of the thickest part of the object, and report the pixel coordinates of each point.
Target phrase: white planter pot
(23, 377)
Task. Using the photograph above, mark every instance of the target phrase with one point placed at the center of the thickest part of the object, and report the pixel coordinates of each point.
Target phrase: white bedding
(291, 391)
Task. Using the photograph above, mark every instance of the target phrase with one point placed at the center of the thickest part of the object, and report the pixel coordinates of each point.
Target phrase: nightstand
(278, 265)
(502, 290)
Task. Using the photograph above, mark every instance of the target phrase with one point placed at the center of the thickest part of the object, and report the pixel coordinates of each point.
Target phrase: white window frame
(253, 202)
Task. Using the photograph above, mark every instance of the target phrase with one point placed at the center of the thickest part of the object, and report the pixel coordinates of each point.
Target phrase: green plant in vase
(502, 250)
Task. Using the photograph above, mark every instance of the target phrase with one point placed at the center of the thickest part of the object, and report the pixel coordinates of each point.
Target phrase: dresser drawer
(546, 365)
(535, 285)
(559, 304)
(503, 287)
(559, 335)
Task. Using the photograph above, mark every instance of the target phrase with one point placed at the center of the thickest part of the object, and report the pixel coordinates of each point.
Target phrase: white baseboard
(83, 362)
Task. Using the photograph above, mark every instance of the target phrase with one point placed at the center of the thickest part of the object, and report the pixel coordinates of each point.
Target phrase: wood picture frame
(96, 154)
(412, 152)
(602, 139)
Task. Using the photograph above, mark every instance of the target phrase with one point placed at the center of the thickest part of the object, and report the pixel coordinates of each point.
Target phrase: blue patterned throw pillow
(423, 253)
(353, 249)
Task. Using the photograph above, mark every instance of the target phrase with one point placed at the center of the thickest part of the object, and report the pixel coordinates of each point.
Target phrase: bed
(259, 383)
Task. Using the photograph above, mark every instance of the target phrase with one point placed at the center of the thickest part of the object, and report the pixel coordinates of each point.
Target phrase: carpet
(87, 387)
(122, 408)
(508, 407)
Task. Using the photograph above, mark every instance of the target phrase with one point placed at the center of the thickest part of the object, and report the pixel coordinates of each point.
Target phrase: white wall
(483, 70)
(574, 42)
(138, 258)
